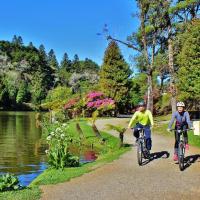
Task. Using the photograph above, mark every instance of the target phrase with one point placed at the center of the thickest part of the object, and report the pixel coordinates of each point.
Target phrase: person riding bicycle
(143, 119)
(182, 118)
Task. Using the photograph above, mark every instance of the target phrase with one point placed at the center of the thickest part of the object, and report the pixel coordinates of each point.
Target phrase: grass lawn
(108, 152)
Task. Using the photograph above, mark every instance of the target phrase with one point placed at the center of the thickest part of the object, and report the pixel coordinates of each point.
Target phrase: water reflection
(22, 152)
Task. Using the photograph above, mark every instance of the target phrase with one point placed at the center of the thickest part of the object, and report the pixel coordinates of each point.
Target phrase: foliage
(118, 128)
(9, 182)
(22, 94)
(58, 153)
(114, 75)
(59, 92)
(22, 66)
(138, 89)
(163, 105)
(52, 61)
(29, 73)
(98, 104)
(188, 61)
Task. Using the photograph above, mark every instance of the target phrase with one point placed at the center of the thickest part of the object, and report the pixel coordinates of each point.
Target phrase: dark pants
(177, 136)
(147, 132)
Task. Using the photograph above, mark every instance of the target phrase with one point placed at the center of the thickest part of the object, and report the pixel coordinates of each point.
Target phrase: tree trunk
(171, 70)
(149, 67)
(150, 94)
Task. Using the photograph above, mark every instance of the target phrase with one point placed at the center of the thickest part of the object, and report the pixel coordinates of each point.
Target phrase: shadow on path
(157, 155)
(161, 154)
(189, 160)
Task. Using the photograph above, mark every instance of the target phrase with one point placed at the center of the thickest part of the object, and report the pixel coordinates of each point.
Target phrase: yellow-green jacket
(144, 118)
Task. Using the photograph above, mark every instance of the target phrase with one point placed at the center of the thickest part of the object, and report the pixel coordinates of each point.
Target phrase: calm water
(21, 151)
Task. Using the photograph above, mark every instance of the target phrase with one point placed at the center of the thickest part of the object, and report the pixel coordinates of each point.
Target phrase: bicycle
(181, 147)
(142, 151)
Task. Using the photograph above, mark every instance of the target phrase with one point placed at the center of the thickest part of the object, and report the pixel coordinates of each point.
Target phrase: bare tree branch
(125, 43)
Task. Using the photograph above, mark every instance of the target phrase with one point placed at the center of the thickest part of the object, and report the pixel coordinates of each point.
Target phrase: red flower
(71, 103)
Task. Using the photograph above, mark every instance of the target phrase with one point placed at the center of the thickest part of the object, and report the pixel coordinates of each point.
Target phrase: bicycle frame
(141, 146)
(181, 147)
(142, 138)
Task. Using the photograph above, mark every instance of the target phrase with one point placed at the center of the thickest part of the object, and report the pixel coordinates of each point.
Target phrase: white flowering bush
(58, 153)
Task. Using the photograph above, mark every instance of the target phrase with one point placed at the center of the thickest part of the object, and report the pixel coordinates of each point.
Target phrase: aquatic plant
(9, 182)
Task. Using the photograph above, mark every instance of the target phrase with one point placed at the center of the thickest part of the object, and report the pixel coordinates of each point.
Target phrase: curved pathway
(123, 179)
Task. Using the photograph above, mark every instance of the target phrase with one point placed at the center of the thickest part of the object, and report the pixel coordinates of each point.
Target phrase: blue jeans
(147, 132)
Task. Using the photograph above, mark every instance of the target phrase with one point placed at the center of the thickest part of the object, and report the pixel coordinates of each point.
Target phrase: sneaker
(175, 157)
(187, 147)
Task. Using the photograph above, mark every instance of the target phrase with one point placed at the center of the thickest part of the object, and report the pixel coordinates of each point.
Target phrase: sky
(69, 26)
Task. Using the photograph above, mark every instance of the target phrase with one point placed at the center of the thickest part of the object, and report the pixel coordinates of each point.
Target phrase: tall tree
(17, 40)
(65, 63)
(145, 41)
(30, 45)
(42, 49)
(52, 60)
(188, 60)
(89, 65)
(114, 75)
(175, 15)
(76, 64)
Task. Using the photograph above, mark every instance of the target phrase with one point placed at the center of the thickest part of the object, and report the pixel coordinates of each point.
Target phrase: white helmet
(180, 104)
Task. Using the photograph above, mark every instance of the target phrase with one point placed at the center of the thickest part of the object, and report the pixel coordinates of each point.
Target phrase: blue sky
(68, 25)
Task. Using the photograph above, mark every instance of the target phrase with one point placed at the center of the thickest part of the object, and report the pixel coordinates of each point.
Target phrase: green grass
(32, 193)
(161, 125)
(109, 152)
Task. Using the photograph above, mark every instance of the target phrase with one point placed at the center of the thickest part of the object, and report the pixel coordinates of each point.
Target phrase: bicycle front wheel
(181, 152)
(139, 153)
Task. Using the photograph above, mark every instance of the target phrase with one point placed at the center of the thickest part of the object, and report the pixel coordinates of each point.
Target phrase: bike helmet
(142, 103)
(180, 104)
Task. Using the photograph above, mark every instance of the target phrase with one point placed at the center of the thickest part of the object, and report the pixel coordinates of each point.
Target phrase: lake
(21, 150)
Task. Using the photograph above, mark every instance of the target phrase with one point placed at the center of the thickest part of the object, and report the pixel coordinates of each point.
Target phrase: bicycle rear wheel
(181, 152)
(139, 153)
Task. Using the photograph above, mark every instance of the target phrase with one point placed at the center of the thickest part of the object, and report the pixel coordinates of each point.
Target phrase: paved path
(123, 179)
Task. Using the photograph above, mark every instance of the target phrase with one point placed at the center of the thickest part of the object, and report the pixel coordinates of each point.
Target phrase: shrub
(9, 182)
(58, 153)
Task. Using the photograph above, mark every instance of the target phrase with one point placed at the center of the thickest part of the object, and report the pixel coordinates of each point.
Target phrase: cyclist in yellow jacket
(142, 119)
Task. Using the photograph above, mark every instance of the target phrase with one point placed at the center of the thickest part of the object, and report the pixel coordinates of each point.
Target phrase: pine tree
(42, 51)
(14, 40)
(114, 75)
(52, 61)
(30, 45)
(18, 41)
(65, 63)
(76, 64)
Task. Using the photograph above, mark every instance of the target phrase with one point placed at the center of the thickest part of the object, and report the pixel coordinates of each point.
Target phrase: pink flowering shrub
(100, 103)
(97, 100)
(93, 101)
(93, 95)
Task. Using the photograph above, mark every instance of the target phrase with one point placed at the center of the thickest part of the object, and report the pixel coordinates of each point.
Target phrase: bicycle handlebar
(180, 130)
(139, 129)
